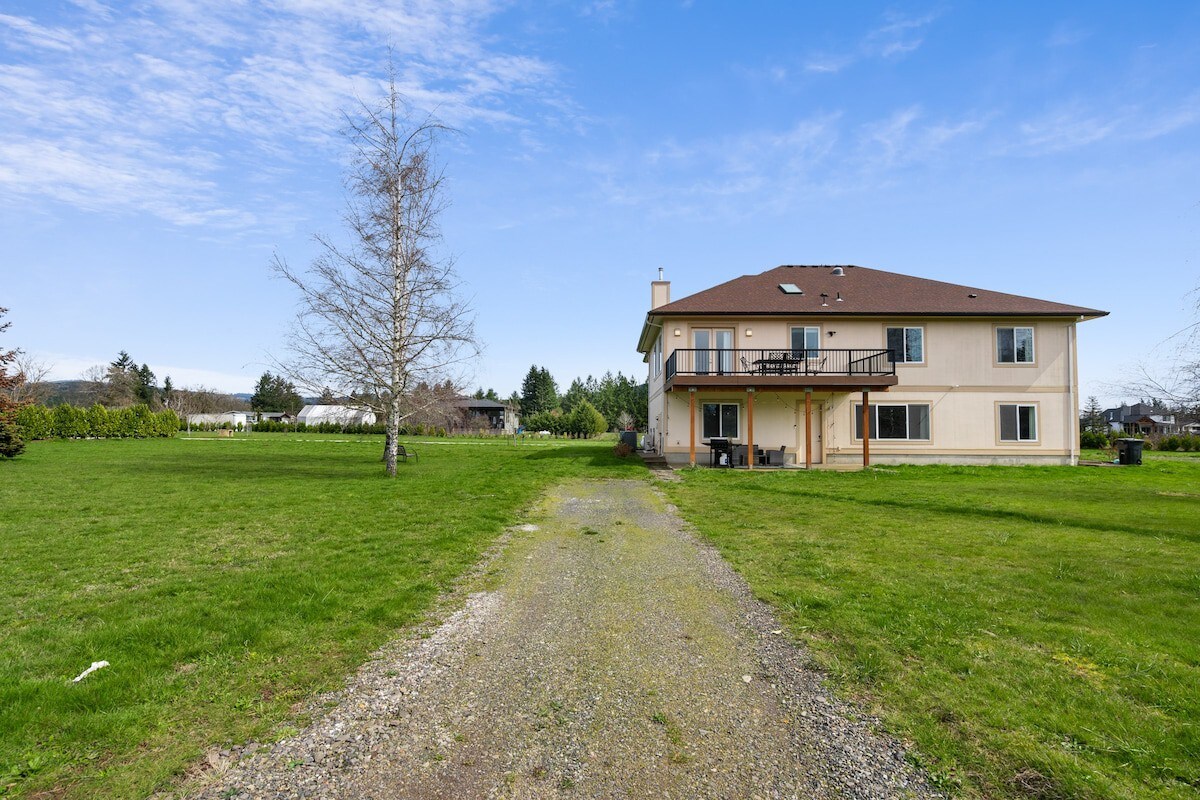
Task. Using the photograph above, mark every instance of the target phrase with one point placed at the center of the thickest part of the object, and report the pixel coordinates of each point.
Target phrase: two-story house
(844, 364)
(1140, 419)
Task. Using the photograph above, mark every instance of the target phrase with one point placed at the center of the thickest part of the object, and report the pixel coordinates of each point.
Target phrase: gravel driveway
(604, 653)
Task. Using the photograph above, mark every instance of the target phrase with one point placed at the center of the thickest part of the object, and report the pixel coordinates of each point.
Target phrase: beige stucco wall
(959, 379)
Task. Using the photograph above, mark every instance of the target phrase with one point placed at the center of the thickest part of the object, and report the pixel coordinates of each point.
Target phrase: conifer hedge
(70, 422)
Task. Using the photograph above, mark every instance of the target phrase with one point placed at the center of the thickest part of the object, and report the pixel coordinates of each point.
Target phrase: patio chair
(776, 458)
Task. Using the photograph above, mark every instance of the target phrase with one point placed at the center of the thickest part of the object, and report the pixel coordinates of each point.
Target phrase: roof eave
(648, 335)
(1082, 314)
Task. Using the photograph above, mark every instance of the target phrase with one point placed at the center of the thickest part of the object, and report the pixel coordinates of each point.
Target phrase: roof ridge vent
(838, 272)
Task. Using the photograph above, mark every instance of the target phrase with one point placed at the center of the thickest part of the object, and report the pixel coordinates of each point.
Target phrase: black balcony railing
(781, 362)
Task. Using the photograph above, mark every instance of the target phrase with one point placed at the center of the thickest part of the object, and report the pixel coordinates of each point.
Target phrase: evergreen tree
(1093, 418)
(144, 387)
(276, 393)
(538, 392)
(575, 395)
(122, 363)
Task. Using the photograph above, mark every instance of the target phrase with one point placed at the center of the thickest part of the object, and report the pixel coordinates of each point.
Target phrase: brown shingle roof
(863, 291)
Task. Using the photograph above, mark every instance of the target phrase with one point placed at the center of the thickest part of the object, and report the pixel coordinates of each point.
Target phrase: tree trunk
(387, 443)
(392, 439)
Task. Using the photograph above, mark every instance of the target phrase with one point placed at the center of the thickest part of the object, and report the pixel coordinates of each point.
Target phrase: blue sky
(155, 154)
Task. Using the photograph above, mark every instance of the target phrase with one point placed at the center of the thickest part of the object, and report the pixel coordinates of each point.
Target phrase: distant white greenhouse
(336, 415)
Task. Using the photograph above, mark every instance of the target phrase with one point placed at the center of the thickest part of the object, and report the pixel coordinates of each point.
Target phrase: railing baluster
(780, 361)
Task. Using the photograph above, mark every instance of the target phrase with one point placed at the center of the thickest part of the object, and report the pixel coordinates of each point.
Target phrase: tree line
(614, 402)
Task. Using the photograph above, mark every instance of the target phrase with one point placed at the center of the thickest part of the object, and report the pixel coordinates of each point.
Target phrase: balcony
(816, 369)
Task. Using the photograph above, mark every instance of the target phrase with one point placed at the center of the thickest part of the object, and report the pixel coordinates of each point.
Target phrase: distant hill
(74, 392)
(78, 393)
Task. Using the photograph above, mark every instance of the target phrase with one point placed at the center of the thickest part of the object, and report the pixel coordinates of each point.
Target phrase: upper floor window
(907, 345)
(806, 338)
(1014, 345)
(656, 356)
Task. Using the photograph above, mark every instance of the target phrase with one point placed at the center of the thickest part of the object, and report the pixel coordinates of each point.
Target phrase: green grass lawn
(1035, 631)
(225, 580)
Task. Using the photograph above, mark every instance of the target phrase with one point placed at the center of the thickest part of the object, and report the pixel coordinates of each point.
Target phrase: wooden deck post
(692, 429)
(750, 427)
(808, 428)
(866, 425)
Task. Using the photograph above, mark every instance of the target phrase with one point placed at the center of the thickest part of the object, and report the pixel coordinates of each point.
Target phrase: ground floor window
(909, 421)
(720, 419)
(1018, 423)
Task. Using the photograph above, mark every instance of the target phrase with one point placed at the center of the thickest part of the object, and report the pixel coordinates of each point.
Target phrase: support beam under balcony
(866, 426)
(692, 426)
(750, 428)
(808, 428)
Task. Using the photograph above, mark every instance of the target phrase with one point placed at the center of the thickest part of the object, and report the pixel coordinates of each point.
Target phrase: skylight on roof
(791, 288)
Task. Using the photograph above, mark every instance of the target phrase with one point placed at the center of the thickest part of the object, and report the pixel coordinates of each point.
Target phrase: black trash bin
(1129, 452)
(629, 438)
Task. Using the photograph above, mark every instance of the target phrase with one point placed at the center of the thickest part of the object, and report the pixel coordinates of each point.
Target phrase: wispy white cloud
(22, 32)
(905, 138)
(1066, 34)
(777, 171)
(144, 109)
(1074, 125)
(898, 36)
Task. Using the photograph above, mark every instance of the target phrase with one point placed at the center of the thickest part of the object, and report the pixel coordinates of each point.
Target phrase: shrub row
(583, 421)
(1173, 442)
(272, 426)
(70, 422)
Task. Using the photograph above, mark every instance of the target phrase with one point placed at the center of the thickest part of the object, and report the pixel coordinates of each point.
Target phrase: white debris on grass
(95, 666)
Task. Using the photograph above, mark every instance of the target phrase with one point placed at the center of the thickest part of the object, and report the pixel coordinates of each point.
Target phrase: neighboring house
(798, 356)
(285, 417)
(475, 414)
(232, 418)
(335, 415)
(1140, 418)
(1190, 428)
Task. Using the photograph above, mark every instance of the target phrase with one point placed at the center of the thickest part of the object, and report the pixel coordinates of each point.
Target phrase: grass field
(1036, 631)
(224, 580)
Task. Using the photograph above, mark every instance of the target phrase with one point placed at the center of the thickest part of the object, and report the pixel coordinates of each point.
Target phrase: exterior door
(714, 351)
(702, 342)
(723, 341)
(818, 430)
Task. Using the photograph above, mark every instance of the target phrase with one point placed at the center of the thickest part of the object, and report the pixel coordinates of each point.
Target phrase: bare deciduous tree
(379, 316)
(31, 386)
(203, 400)
(1175, 380)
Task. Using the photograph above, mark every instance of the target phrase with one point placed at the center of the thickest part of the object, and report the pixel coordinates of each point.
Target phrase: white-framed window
(1018, 422)
(656, 355)
(1014, 345)
(806, 338)
(907, 344)
(720, 419)
(895, 421)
